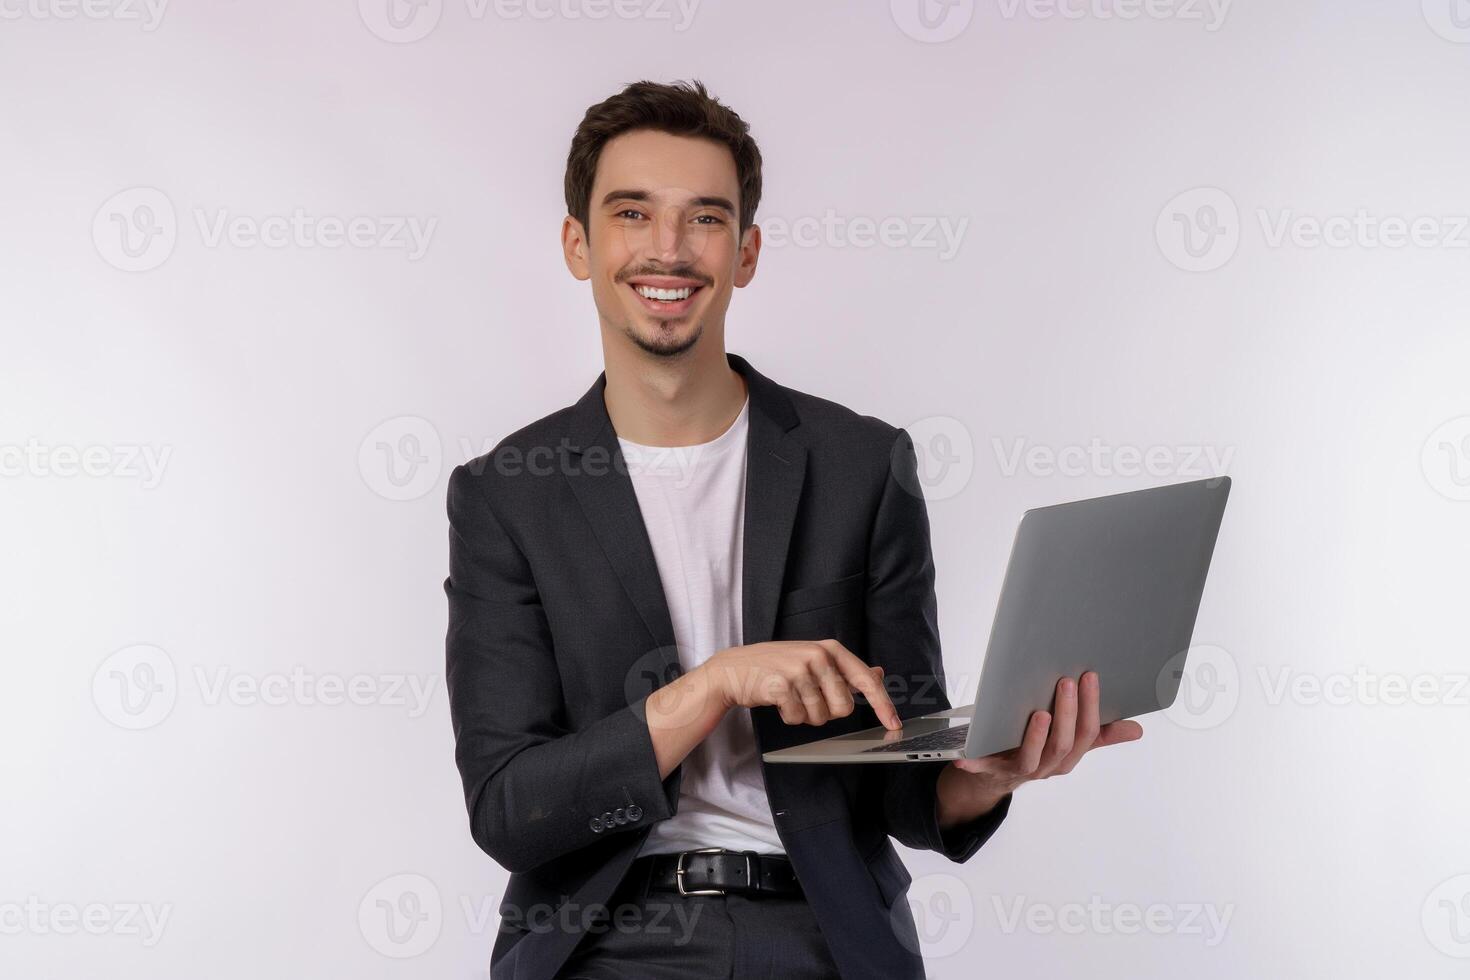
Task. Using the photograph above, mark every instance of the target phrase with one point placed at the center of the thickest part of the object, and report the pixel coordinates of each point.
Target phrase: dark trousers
(658, 935)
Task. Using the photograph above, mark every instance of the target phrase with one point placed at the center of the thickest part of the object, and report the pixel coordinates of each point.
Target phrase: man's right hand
(809, 681)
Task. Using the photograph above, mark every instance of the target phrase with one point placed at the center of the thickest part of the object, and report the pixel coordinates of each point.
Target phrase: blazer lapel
(599, 478)
(775, 470)
(774, 473)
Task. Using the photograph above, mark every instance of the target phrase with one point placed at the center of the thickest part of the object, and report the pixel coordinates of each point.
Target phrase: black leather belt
(718, 871)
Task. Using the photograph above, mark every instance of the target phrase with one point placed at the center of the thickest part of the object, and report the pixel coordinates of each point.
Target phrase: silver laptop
(1110, 584)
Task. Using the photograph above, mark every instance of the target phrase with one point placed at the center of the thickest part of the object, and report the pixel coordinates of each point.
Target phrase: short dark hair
(680, 109)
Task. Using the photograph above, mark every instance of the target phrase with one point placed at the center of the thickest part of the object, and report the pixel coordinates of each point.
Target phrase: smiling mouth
(665, 301)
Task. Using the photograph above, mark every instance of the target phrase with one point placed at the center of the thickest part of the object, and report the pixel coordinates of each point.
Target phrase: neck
(679, 401)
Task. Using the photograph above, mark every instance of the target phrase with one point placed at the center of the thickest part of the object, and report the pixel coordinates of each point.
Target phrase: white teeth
(650, 292)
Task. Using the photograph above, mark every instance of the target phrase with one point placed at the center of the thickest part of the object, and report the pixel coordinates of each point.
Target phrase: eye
(714, 218)
(633, 211)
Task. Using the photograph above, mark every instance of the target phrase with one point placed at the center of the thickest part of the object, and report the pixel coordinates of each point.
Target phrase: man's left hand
(1053, 745)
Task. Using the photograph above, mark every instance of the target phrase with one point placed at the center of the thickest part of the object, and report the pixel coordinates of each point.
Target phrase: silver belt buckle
(679, 871)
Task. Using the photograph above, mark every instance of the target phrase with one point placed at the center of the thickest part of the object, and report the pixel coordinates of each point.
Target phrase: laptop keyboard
(945, 738)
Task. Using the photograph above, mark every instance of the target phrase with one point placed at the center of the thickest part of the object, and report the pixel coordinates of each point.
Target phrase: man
(690, 566)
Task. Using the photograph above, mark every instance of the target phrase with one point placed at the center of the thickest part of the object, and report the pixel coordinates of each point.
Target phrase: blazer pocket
(823, 594)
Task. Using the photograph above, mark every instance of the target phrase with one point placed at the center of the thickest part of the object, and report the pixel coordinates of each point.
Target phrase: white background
(1330, 380)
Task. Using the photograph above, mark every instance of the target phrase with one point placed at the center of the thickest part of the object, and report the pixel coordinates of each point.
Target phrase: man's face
(662, 244)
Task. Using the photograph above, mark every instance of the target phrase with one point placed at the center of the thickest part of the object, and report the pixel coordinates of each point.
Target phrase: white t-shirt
(693, 504)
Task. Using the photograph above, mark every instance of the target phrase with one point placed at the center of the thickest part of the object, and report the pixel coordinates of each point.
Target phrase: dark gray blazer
(558, 630)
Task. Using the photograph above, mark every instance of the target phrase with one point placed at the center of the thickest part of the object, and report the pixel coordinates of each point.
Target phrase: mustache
(627, 274)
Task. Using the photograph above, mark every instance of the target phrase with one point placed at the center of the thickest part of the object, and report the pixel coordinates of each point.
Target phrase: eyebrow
(708, 201)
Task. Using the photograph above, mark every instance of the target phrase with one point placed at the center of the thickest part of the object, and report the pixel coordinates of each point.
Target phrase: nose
(669, 237)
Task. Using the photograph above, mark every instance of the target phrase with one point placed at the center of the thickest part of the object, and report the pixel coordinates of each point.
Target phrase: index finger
(859, 676)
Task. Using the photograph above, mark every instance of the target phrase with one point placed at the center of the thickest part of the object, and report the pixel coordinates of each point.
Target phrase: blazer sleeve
(903, 638)
(535, 790)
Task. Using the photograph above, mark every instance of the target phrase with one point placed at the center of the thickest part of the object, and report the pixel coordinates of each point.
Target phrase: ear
(575, 248)
(750, 253)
